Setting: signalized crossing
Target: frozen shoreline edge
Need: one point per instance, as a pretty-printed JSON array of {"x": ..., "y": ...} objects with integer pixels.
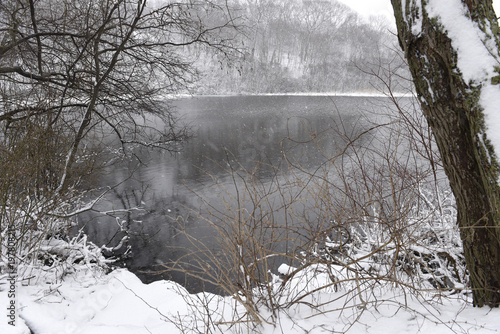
[{"x": 305, "y": 94}]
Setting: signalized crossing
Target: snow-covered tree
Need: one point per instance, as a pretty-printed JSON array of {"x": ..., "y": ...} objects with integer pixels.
[
  {"x": 73, "y": 72},
  {"x": 452, "y": 47},
  {"x": 86, "y": 64}
]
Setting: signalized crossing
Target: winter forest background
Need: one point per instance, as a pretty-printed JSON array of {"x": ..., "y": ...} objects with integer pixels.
[{"x": 301, "y": 46}]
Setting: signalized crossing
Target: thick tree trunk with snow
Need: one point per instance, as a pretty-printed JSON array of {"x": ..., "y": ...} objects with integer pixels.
[{"x": 452, "y": 107}]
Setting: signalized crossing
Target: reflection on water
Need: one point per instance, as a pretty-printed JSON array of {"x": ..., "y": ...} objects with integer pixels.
[{"x": 231, "y": 134}]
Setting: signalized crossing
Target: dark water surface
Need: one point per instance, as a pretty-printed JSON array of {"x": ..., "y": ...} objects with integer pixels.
[{"x": 237, "y": 135}]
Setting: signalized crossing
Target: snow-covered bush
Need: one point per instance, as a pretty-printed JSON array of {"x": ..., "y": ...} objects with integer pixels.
[
  {"x": 424, "y": 254},
  {"x": 35, "y": 213},
  {"x": 38, "y": 248}
]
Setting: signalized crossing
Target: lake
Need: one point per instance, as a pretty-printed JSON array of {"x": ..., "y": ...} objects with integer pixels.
[{"x": 235, "y": 139}]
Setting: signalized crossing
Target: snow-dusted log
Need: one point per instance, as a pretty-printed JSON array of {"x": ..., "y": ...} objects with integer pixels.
[{"x": 452, "y": 50}]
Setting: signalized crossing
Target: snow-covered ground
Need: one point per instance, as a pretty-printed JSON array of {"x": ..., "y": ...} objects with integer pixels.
[{"x": 119, "y": 303}]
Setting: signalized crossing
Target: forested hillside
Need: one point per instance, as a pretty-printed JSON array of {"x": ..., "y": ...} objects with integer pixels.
[{"x": 302, "y": 46}]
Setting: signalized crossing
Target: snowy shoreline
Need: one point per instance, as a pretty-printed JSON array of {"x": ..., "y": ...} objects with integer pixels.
[
  {"x": 86, "y": 303},
  {"x": 304, "y": 94}
]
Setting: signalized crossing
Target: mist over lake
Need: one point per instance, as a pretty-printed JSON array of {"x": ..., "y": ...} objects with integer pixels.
[{"x": 231, "y": 134}]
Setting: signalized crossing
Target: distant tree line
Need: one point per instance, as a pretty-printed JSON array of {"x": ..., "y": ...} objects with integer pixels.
[{"x": 303, "y": 46}]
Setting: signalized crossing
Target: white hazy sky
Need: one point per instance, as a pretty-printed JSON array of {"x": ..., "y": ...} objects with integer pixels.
[{"x": 384, "y": 7}]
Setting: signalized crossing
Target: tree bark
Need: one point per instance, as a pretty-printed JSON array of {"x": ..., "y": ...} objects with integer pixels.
[{"x": 455, "y": 116}]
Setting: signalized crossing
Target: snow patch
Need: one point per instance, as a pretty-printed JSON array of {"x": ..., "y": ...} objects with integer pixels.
[
  {"x": 416, "y": 27},
  {"x": 490, "y": 101},
  {"x": 476, "y": 58},
  {"x": 285, "y": 269},
  {"x": 416, "y": 24}
]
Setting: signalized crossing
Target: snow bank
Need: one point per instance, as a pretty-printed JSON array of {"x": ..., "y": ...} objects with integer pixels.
[
  {"x": 116, "y": 303},
  {"x": 119, "y": 303}
]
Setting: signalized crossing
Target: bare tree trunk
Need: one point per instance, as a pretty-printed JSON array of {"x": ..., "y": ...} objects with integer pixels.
[{"x": 452, "y": 109}]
